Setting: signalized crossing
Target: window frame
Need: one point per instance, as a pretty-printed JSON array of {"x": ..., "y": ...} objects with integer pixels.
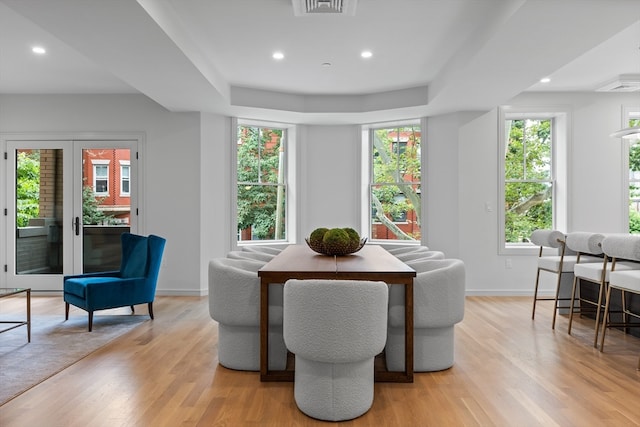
[
  {"x": 125, "y": 164},
  {"x": 95, "y": 164},
  {"x": 289, "y": 182},
  {"x": 367, "y": 168},
  {"x": 628, "y": 113},
  {"x": 560, "y": 148}
]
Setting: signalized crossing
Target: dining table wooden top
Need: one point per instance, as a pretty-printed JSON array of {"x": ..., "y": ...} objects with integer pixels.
[{"x": 371, "y": 260}]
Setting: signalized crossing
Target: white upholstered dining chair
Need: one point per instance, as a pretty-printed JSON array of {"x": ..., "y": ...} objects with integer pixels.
[
  {"x": 438, "y": 305},
  {"x": 558, "y": 264},
  {"x": 335, "y": 328},
  {"x": 234, "y": 302}
]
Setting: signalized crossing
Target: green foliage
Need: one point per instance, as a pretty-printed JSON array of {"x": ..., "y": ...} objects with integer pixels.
[
  {"x": 528, "y": 191},
  {"x": 261, "y": 200},
  {"x": 91, "y": 215},
  {"x": 27, "y": 187},
  {"x": 634, "y": 187},
  {"x": 634, "y": 221},
  {"x": 396, "y": 175}
]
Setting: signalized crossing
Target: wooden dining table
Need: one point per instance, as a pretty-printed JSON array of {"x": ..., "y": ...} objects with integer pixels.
[{"x": 372, "y": 262}]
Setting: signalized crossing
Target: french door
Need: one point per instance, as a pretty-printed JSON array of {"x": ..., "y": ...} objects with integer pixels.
[{"x": 67, "y": 202}]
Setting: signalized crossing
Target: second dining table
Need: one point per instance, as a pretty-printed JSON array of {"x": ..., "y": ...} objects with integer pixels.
[{"x": 372, "y": 262}]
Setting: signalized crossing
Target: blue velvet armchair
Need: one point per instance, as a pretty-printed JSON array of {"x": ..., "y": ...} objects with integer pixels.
[{"x": 134, "y": 283}]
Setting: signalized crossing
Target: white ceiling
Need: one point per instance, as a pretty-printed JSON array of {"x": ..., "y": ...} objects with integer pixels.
[{"x": 429, "y": 56}]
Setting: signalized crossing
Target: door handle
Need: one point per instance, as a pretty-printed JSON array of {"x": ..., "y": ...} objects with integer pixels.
[{"x": 77, "y": 226}]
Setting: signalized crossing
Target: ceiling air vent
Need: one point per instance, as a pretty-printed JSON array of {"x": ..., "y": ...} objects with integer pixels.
[
  {"x": 624, "y": 83},
  {"x": 324, "y": 7}
]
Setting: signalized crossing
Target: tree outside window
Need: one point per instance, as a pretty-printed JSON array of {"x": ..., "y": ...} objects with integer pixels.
[
  {"x": 634, "y": 181},
  {"x": 261, "y": 185},
  {"x": 528, "y": 180},
  {"x": 395, "y": 186}
]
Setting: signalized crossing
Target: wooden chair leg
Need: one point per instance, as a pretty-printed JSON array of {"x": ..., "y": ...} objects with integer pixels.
[
  {"x": 132, "y": 310},
  {"x": 151, "y": 310},
  {"x": 90, "y": 320},
  {"x": 66, "y": 311}
]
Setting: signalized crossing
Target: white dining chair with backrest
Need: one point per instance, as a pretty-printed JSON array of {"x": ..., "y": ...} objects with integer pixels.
[
  {"x": 559, "y": 263},
  {"x": 438, "y": 305},
  {"x": 621, "y": 247},
  {"x": 335, "y": 328},
  {"x": 234, "y": 303}
]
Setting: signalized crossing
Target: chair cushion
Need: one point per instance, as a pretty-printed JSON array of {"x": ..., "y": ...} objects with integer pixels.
[
  {"x": 627, "y": 280},
  {"x": 78, "y": 286},
  {"x": 135, "y": 257},
  {"x": 593, "y": 271},
  {"x": 552, "y": 262}
]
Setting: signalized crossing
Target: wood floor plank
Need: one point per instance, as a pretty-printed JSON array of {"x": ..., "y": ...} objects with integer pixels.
[{"x": 509, "y": 370}]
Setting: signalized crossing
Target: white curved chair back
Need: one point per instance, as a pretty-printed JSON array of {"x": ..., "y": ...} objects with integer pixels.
[
  {"x": 403, "y": 249},
  {"x": 438, "y": 301},
  {"x": 416, "y": 253},
  {"x": 262, "y": 249},
  {"x": 335, "y": 328},
  {"x": 423, "y": 256},
  {"x": 234, "y": 302},
  {"x": 257, "y": 256}
]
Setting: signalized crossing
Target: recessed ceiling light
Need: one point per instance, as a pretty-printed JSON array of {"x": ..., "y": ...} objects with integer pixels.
[
  {"x": 326, "y": 64},
  {"x": 366, "y": 54},
  {"x": 278, "y": 55},
  {"x": 545, "y": 80},
  {"x": 39, "y": 50}
]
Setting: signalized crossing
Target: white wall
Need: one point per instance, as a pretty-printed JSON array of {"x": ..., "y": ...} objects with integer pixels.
[
  {"x": 215, "y": 192},
  {"x": 187, "y": 169},
  {"x": 330, "y": 176}
]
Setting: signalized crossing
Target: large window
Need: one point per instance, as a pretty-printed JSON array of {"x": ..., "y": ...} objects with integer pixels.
[
  {"x": 528, "y": 177},
  {"x": 394, "y": 183},
  {"x": 261, "y": 183},
  {"x": 633, "y": 119},
  {"x": 534, "y": 144}
]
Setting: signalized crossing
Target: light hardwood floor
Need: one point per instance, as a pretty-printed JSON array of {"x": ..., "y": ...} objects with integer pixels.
[{"x": 509, "y": 371}]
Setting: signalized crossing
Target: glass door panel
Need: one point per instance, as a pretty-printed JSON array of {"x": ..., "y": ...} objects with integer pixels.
[
  {"x": 106, "y": 206},
  {"x": 39, "y": 192},
  {"x": 38, "y": 199}
]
